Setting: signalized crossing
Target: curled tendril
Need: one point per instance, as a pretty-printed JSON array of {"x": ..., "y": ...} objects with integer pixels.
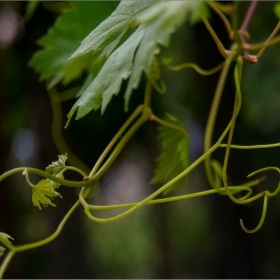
[
  {"x": 266, "y": 194},
  {"x": 166, "y": 62},
  {"x": 161, "y": 87},
  {"x": 261, "y": 220}
]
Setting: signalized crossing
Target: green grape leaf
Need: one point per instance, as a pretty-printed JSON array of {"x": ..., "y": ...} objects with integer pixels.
[
  {"x": 57, "y": 166},
  {"x": 65, "y": 37},
  {"x": 108, "y": 81},
  {"x": 155, "y": 23},
  {"x": 160, "y": 22},
  {"x": 43, "y": 192},
  {"x": 277, "y": 9},
  {"x": 113, "y": 26},
  {"x": 175, "y": 154}
]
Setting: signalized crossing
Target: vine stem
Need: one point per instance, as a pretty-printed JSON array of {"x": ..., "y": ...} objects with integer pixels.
[
  {"x": 262, "y": 50},
  {"x": 27, "y": 170},
  {"x": 212, "y": 117},
  {"x": 5, "y": 263},
  {"x": 243, "y": 147}
]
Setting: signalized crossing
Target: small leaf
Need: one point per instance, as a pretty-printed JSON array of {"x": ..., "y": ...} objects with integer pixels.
[
  {"x": 57, "y": 166},
  {"x": 5, "y": 237},
  {"x": 42, "y": 192},
  {"x": 175, "y": 154}
]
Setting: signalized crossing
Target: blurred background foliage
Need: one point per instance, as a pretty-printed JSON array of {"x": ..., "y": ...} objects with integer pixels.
[{"x": 199, "y": 238}]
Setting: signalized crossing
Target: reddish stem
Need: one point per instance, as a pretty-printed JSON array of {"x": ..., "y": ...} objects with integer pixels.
[{"x": 248, "y": 16}]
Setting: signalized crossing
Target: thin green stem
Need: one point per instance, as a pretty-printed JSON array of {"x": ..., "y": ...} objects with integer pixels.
[
  {"x": 12, "y": 172},
  {"x": 237, "y": 105},
  {"x": 75, "y": 184},
  {"x": 169, "y": 199},
  {"x": 262, "y": 50},
  {"x": 5, "y": 263},
  {"x": 223, "y": 18},
  {"x": 137, "y": 111},
  {"x": 212, "y": 118},
  {"x": 215, "y": 37},
  {"x": 258, "y": 46},
  {"x": 248, "y": 147}
]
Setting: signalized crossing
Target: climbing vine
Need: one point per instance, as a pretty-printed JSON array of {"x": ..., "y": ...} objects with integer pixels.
[{"x": 124, "y": 43}]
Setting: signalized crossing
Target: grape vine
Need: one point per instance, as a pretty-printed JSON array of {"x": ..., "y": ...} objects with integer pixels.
[{"x": 124, "y": 44}]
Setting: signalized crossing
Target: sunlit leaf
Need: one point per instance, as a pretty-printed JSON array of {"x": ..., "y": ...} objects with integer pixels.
[
  {"x": 43, "y": 192},
  {"x": 174, "y": 157}
]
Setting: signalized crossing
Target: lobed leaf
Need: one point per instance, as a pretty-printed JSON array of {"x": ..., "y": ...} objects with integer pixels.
[
  {"x": 156, "y": 23},
  {"x": 108, "y": 81},
  {"x": 113, "y": 26},
  {"x": 174, "y": 158},
  {"x": 43, "y": 192},
  {"x": 64, "y": 38},
  {"x": 160, "y": 22}
]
